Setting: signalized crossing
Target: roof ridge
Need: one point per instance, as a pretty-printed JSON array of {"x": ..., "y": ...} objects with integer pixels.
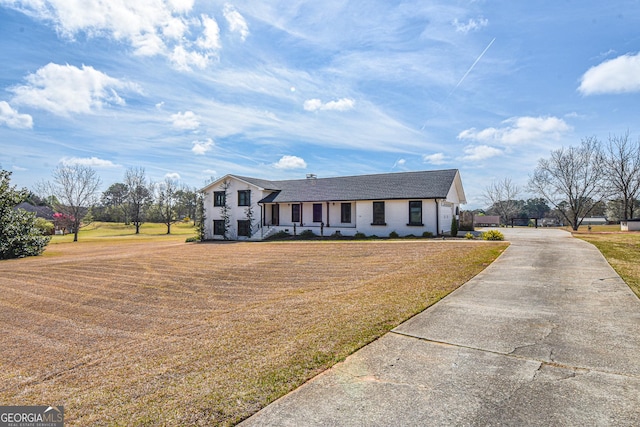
[{"x": 345, "y": 176}]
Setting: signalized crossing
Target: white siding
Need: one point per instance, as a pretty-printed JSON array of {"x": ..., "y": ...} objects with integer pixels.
[
  {"x": 236, "y": 212},
  {"x": 630, "y": 225},
  {"x": 326, "y": 226},
  {"x": 396, "y": 218},
  {"x": 436, "y": 215}
]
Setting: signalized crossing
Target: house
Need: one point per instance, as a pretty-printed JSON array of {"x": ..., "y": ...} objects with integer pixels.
[
  {"x": 243, "y": 208},
  {"x": 551, "y": 222},
  {"x": 486, "y": 221},
  {"x": 594, "y": 220},
  {"x": 40, "y": 211},
  {"x": 630, "y": 225}
]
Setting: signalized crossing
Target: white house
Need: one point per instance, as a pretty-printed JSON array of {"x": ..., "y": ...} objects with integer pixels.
[
  {"x": 630, "y": 225},
  {"x": 243, "y": 208}
]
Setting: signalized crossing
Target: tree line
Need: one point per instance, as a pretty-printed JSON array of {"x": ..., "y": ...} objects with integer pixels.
[
  {"x": 594, "y": 178},
  {"x": 74, "y": 195},
  {"x": 136, "y": 200}
]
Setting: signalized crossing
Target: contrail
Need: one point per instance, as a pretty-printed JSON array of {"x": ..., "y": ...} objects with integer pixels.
[
  {"x": 473, "y": 65},
  {"x": 465, "y": 75}
]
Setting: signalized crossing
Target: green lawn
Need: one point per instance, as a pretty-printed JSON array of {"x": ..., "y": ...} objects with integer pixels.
[{"x": 98, "y": 231}]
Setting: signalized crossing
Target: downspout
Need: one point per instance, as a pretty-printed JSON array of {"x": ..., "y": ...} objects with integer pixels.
[
  {"x": 328, "y": 215},
  {"x": 437, "y": 218},
  {"x": 261, "y": 220}
]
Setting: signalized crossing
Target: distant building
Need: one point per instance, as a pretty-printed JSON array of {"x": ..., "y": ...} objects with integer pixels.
[
  {"x": 630, "y": 225},
  {"x": 41, "y": 211},
  {"x": 486, "y": 221},
  {"x": 595, "y": 220},
  {"x": 551, "y": 222}
]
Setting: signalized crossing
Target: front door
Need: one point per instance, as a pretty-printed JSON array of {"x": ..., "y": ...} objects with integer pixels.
[{"x": 275, "y": 214}]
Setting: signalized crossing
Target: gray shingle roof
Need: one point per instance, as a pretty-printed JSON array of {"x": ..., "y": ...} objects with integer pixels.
[{"x": 401, "y": 185}]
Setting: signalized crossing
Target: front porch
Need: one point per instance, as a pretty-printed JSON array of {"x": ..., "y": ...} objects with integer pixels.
[
  {"x": 315, "y": 216},
  {"x": 295, "y": 229}
]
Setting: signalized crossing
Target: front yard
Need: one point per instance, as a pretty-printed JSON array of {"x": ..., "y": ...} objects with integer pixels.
[{"x": 159, "y": 332}]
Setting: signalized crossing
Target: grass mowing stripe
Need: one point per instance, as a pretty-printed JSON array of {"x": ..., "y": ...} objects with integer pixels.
[{"x": 206, "y": 334}]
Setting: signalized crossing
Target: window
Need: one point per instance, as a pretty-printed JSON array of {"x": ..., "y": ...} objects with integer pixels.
[
  {"x": 219, "y": 198},
  {"x": 295, "y": 212},
  {"x": 415, "y": 212},
  {"x": 218, "y": 227},
  {"x": 317, "y": 212},
  {"x": 244, "y": 228},
  {"x": 345, "y": 213},
  {"x": 244, "y": 197},
  {"x": 378, "y": 213}
]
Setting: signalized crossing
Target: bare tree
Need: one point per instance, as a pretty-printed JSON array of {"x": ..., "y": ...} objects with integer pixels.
[
  {"x": 572, "y": 180},
  {"x": 166, "y": 201},
  {"x": 501, "y": 196},
  {"x": 139, "y": 196},
  {"x": 622, "y": 169},
  {"x": 75, "y": 191}
]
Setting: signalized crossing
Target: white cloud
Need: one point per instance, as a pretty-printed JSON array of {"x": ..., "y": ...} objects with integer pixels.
[
  {"x": 150, "y": 27},
  {"x": 342, "y": 104},
  {"x": 172, "y": 175},
  {"x": 210, "y": 39},
  {"x": 93, "y": 162},
  {"x": 519, "y": 130},
  {"x": 175, "y": 28},
  {"x": 201, "y": 147},
  {"x": 618, "y": 75},
  {"x": 13, "y": 119},
  {"x": 181, "y": 6},
  {"x": 290, "y": 162},
  {"x": 183, "y": 59},
  {"x": 147, "y": 44},
  {"x": 66, "y": 89},
  {"x": 480, "y": 152},
  {"x": 236, "y": 21},
  {"x": 434, "y": 159},
  {"x": 312, "y": 104},
  {"x": 471, "y": 25},
  {"x": 187, "y": 120}
]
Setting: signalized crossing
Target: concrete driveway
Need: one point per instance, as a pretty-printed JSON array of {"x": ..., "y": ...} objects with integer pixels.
[{"x": 548, "y": 335}]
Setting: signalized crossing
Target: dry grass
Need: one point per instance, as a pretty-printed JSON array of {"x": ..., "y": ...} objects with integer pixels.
[
  {"x": 621, "y": 249},
  {"x": 167, "y": 333}
]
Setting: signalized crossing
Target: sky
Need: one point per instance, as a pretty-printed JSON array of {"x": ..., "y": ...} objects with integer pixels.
[{"x": 193, "y": 90}]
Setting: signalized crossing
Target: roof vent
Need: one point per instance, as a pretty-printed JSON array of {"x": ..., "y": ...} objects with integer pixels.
[{"x": 312, "y": 176}]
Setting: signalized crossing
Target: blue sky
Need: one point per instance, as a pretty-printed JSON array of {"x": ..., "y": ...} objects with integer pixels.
[{"x": 277, "y": 89}]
